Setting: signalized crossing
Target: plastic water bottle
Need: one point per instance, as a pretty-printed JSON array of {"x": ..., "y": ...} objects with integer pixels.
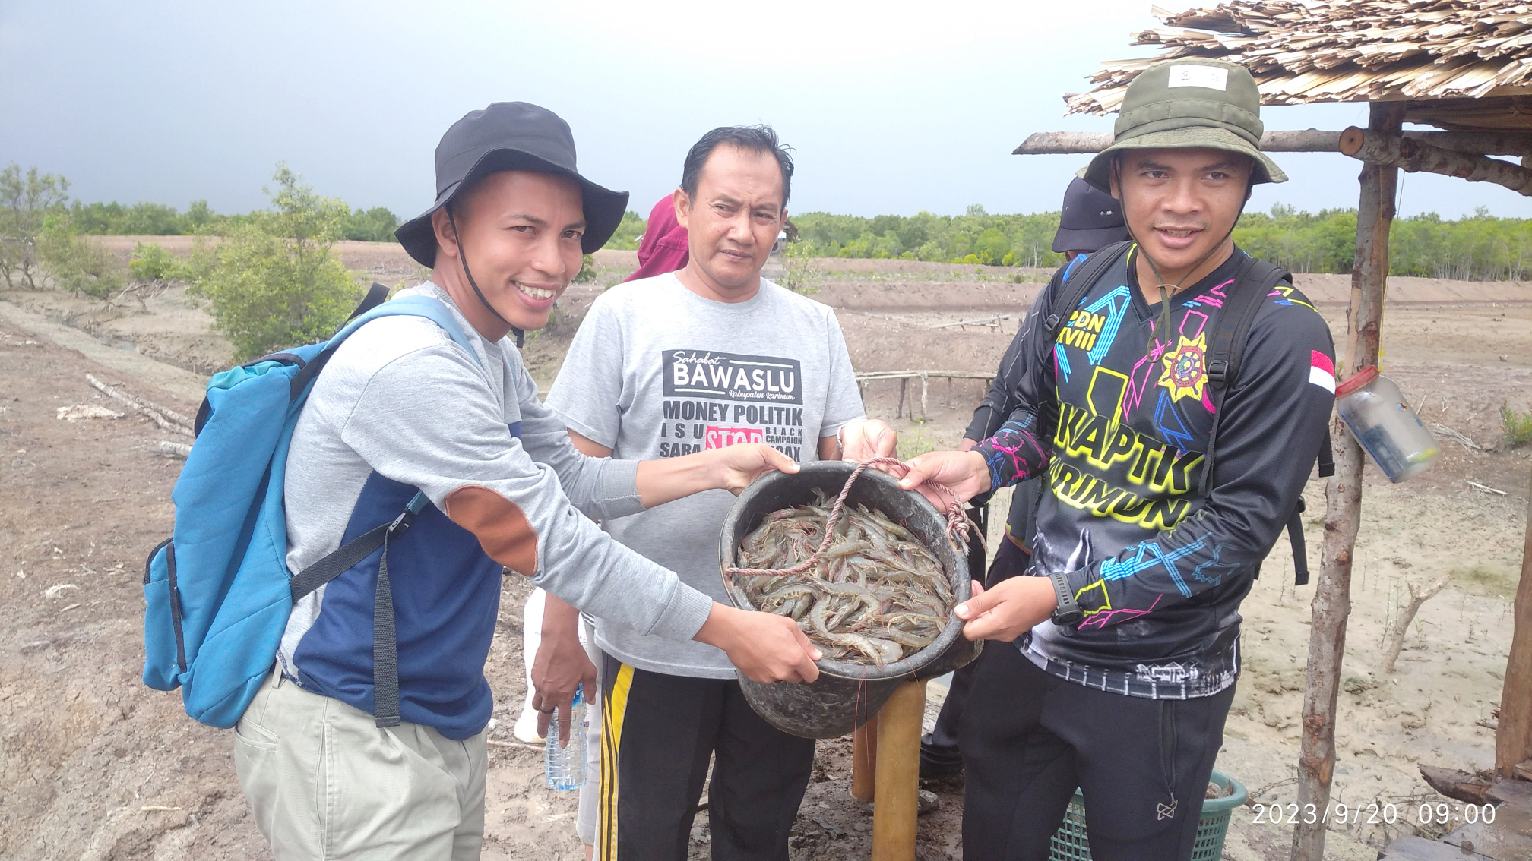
[
  {"x": 565, "y": 765},
  {"x": 1390, "y": 432}
]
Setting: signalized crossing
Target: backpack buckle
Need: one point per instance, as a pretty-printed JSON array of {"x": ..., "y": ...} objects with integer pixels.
[
  {"x": 402, "y": 522},
  {"x": 1218, "y": 370},
  {"x": 416, "y": 505}
]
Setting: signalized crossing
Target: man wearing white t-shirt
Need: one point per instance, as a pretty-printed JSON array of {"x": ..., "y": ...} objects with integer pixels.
[{"x": 684, "y": 362}]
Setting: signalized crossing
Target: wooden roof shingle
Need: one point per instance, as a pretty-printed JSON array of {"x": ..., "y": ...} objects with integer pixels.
[{"x": 1305, "y": 51}]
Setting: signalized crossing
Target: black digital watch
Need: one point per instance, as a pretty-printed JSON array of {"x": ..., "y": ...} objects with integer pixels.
[{"x": 1068, "y": 612}]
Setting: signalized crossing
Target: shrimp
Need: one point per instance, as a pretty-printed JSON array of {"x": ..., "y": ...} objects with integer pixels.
[{"x": 875, "y": 591}]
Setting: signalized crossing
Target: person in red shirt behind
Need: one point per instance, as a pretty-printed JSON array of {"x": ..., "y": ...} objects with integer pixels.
[{"x": 663, "y": 248}]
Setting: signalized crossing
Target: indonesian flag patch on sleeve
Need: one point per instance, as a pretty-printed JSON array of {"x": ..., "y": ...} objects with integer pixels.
[{"x": 1322, "y": 371}]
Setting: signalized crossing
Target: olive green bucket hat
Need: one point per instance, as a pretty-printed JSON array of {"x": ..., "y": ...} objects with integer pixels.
[{"x": 1189, "y": 104}]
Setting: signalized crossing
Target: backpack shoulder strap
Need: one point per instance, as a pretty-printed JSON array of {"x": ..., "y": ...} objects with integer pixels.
[
  {"x": 1070, "y": 290},
  {"x": 376, "y": 295},
  {"x": 1231, "y": 329},
  {"x": 1252, "y": 283},
  {"x": 1326, "y": 459},
  {"x": 338, "y": 561},
  {"x": 414, "y": 306},
  {"x": 369, "y": 310}
]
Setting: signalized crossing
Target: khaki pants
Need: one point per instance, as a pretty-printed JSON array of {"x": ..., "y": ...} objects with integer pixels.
[{"x": 325, "y": 782}]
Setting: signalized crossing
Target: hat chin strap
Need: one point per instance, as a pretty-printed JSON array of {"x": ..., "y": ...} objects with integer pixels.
[{"x": 462, "y": 256}]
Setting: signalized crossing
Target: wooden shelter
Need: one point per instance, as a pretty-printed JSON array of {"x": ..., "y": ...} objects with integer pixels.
[
  {"x": 1456, "y": 64},
  {"x": 1463, "y": 67}
]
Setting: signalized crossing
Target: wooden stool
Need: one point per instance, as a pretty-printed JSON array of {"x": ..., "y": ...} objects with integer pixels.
[{"x": 885, "y": 770}]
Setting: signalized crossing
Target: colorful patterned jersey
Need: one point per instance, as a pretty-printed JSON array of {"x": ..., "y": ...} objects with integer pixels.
[{"x": 1115, "y": 415}]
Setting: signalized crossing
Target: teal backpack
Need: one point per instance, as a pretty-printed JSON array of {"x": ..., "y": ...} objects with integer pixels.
[{"x": 218, "y": 592}]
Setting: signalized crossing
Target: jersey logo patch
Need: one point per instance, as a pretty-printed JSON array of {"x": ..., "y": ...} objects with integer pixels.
[{"x": 1186, "y": 368}]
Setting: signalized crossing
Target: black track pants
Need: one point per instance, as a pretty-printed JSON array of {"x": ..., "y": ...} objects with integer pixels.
[
  {"x": 1010, "y": 561},
  {"x": 1030, "y": 738},
  {"x": 658, "y": 734}
]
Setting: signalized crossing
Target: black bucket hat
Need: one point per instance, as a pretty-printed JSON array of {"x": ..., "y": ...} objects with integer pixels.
[
  {"x": 1091, "y": 219},
  {"x": 510, "y": 136}
]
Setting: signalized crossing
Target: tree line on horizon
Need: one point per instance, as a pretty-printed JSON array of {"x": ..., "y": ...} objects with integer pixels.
[
  {"x": 273, "y": 279},
  {"x": 1480, "y": 247},
  {"x": 157, "y": 219},
  {"x": 1477, "y": 247}
]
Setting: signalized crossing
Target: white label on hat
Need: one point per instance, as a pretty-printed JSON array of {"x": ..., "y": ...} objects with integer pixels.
[{"x": 1210, "y": 77}]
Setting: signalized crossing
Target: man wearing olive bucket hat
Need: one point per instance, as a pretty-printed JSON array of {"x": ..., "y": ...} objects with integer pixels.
[
  {"x": 1125, "y": 637},
  {"x": 336, "y": 765}
]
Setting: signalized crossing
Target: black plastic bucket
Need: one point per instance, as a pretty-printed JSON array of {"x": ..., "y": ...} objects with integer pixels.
[{"x": 846, "y": 693}]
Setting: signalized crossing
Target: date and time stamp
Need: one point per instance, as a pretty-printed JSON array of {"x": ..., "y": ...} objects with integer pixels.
[{"x": 1432, "y": 814}]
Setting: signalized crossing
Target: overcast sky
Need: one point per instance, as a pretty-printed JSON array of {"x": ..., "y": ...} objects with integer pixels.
[{"x": 890, "y": 107}]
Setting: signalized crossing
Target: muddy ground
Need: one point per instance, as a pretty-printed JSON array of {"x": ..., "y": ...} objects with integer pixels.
[{"x": 97, "y": 766}]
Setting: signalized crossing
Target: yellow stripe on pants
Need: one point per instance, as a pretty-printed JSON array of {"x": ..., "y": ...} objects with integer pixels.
[{"x": 612, "y": 712}]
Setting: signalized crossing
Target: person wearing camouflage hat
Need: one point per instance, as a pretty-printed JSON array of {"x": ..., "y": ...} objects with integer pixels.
[
  {"x": 1089, "y": 220},
  {"x": 1205, "y": 117},
  {"x": 1123, "y": 639},
  {"x": 1186, "y": 105}
]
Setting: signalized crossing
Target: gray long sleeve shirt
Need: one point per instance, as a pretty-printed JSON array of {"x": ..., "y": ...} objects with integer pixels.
[{"x": 399, "y": 407}]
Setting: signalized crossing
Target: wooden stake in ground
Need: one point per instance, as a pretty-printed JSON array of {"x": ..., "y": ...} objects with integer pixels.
[
  {"x": 1513, "y": 737},
  {"x": 897, "y": 779},
  {"x": 1393, "y": 640},
  {"x": 1343, "y": 498}
]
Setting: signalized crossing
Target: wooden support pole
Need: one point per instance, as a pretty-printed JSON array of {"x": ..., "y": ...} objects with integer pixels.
[
  {"x": 1482, "y": 143},
  {"x": 1417, "y": 156},
  {"x": 1308, "y": 140},
  {"x": 1053, "y": 143},
  {"x": 1343, "y": 498},
  {"x": 1513, "y": 736},
  {"x": 898, "y": 775}
]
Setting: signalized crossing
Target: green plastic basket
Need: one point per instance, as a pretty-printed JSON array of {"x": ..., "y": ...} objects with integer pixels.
[{"x": 1069, "y": 842}]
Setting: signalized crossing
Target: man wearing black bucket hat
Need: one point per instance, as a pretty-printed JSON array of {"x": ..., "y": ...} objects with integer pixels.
[
  {"x": 1126, "y": 638},
  {"x": 335, "y": 765},
  {"x": 1089, "y": 220}
]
